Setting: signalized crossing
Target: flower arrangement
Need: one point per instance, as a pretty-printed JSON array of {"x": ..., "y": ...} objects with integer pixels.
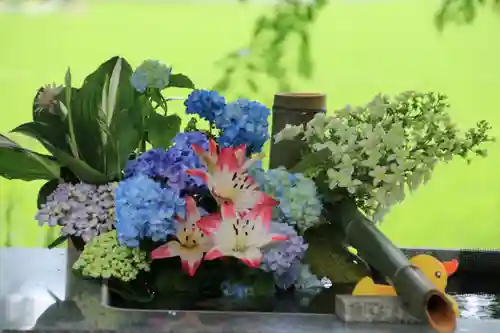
[{"x": 159, "y": 210}]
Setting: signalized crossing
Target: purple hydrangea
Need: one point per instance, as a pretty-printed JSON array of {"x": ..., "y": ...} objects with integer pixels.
[
  {"x": 206, "y": 103},
  {"x": 82, "y": 210},
  {"x": 284, "y": 258},
  {"x": 171, "y": 165}
]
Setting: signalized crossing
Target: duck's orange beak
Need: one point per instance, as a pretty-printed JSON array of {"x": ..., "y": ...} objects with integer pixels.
[{"x": 451, "y": 266}]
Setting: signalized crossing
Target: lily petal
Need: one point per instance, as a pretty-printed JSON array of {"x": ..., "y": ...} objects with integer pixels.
[
  {"x": 192, "y": 211},
  {"x": 240, "y": 153},
  {"x": 171, "y": 249},
  {"x": 209, "y": 223},
  {"x": 227, "y": 161},
  {"x": 228, "y": 211},
  {"x": 214, "y": 253},
  {"x": 191, "y": 261},
  {"x": 198, "y": 173},
  {"x": 252, "y": 257},
  {"x": 251, "y": 161},
  {"x": 261, "y": 213},
  {"x": 208, "y": 158}
]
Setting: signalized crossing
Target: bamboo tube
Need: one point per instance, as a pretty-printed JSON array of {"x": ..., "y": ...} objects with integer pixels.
[
  {"x": 293, "y": 109},
  {"x": 418, "y": 294}
]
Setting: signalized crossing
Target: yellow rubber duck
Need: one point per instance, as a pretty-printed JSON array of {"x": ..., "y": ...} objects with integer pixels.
[{"x": 436, "y": 271}]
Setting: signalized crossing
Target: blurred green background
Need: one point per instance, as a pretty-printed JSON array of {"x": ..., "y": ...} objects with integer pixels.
[{"x": 358, "y": 48}]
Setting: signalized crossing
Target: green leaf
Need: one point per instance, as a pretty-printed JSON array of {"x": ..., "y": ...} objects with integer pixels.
[
  {"x": 45, "y": 191},
  {"x": 125, "y": 133},
  {"x": 60, "y": 240},
  {"x": 305, "y": 64},
  {"x": 45, "y": 133},
  {"x": 23, "y": 164},
  {"x": 222, "y": 84},
  {"x": 180, "y": 81},
  {"x": 312, "y": 160},
  {"x": 5, "y": 142},
  {"x": 157, "y": 97},
  {"x": 254, "y": 87},
  {"x": 162, "y": 129},
  {"x": 106, "y": 90},
  {"x": 327, "y": 256},
  {"x": 80, "y": 168}
]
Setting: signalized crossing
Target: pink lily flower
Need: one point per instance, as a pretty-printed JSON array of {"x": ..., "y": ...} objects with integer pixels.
[
  {"x": 209, "y": 158},
  {"x": 241, "y": 237},
  {"x": 192, "y": 242},
  {"x": 228, "y": 179}
]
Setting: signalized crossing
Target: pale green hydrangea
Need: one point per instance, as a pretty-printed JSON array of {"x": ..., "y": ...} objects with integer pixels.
[
  {"x": 378, "y": 150},
  {"x": 104, "y": 257}
]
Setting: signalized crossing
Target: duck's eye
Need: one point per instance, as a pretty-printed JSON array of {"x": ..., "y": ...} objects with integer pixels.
[{"x": 438, "y": 274}]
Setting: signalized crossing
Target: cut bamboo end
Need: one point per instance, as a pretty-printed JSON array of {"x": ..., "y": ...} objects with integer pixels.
[
  {"x": 295, "y": 101},
  {"x": 440, "y": 313}
]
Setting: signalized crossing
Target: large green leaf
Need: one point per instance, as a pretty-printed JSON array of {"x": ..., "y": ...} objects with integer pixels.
[
  {"x": 327, "y": 256},
  {"x": 125, "y": 132},
  {"x": 45, "y": 133},
  {"x": 162, "y": 129},
  {"x": 23, "y": 164},
  {"x": 181, "y": 81},
  {"x": 104, "y": 92},
  {"x": 80, "y": 168}
]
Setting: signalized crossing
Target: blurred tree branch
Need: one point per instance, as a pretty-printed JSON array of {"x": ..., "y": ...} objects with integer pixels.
[
  {"x": 264, "y": 54},
  {"x": 461, "y": 11}
]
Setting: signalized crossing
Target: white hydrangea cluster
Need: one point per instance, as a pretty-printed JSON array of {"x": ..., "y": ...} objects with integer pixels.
[{"x": 372, "y": 153}]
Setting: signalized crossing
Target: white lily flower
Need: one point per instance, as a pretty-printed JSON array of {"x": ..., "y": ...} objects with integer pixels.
[{"x": 243, "y": 237}]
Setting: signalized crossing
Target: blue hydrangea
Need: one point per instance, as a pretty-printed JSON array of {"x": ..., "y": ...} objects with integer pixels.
[
  {"x": 151, "y": 74},
  {"x": 284, "y": 258},
  {"x": 297, "y": 194},
  {"x": 171, "y": 165},
  {"x": 144, "y": 209},
  {"x": 244, "y": 122},
  {"x": 206, "y": 103}
]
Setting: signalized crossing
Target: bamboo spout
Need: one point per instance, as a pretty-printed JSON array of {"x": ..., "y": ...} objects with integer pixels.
[{"x": 421, "y": 298}]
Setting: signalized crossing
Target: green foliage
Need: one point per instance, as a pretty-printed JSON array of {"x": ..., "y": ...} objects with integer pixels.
[
  {"x": 162, "y": 129},
  {"x": 290, "y": 21},
  {"x": 104, "y": 257},
  {"x": 180, "y": 81},
  {"x": 91, "y": 130},
  {"x": 327, "y": 256},
  {"x": 19, "y": 163},
  {"x": 461, "y": 11},
  {"x": 107, "y": 111}
]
